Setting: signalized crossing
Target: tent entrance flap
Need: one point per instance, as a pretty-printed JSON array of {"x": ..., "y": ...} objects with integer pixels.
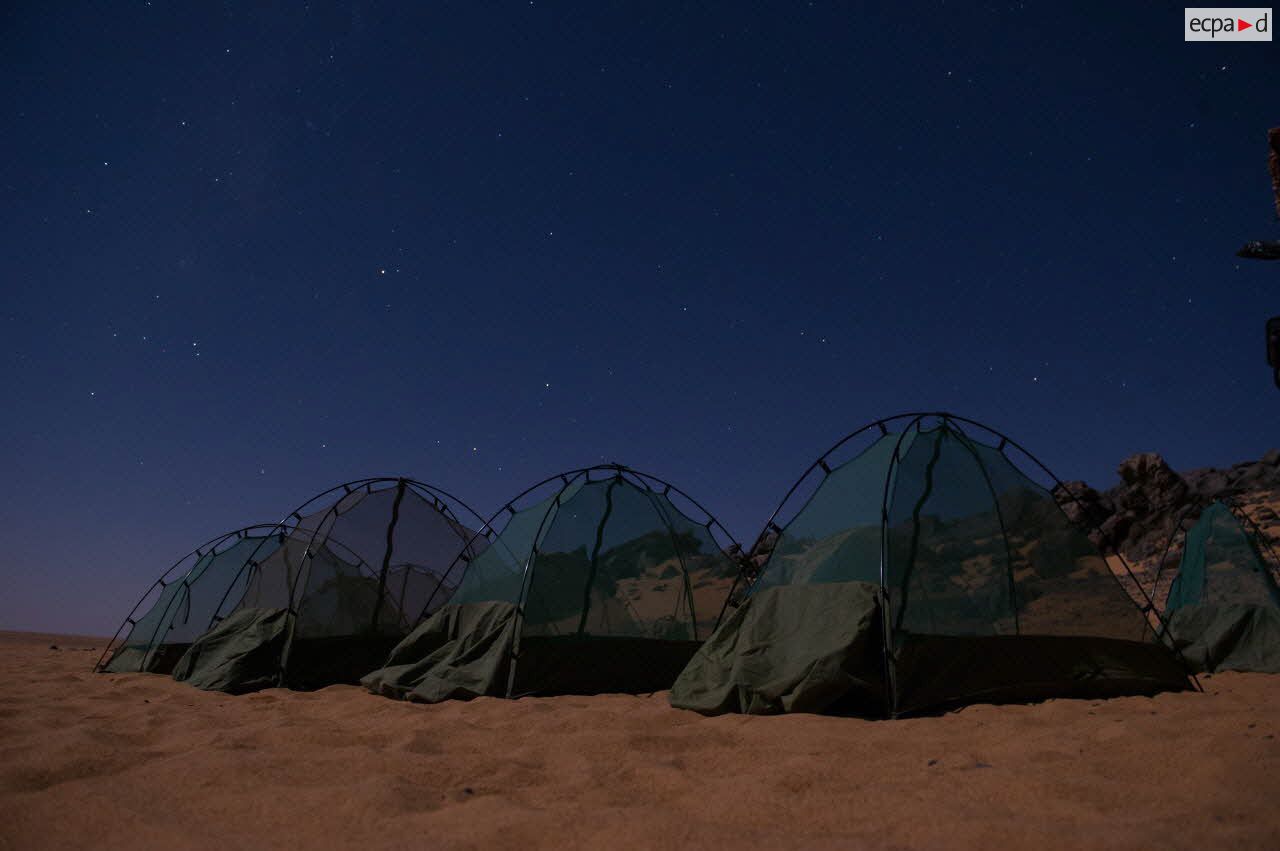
[
  {"x": 239, "y": 655},
  {"x": 792, "y": 648},
  {"x": 1229, "y": 637},
  {"x": 460, "y": 652}
]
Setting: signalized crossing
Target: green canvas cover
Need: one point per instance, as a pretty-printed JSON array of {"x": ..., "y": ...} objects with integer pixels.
[
  {"x": 239, "y": 655},
  {"x": 820, "y": 648},
  {"x": 791, "y": 648},
  {"x": 460, "y": 652},
  {"x": 1229, "y": 637}
]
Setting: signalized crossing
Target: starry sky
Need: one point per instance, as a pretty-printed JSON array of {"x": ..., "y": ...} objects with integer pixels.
[{"x": 252, "y": 252}]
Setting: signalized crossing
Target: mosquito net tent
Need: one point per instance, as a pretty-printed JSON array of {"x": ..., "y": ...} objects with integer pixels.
[
  {"x": 1222, "y": 604},
  {"x": 598, "y": 580},
  {"x": 178, "y": 606},
  {"x": 314, "y": 600},
  {"x": 915, "y": 566}
]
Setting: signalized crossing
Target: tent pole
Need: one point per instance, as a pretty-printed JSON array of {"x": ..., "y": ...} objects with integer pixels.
[
  {"x": 595, "y": 557},
  {"x": 1004, "y": 532},
  {"x": 886, "y": 603},
  {"x": 386, "y": 556}
]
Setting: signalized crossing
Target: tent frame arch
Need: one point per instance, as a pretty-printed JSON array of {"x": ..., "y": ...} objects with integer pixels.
[
  {"x": 647, "y": 483},
  {"x": 909, "y": 422},
  {"x": 212, "y": 546},
  {"x": 439, "y": 499},
  {"x": 1257, "y": 538}
]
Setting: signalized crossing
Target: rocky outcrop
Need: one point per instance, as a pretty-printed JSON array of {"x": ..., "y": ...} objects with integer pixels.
[{"x": 1137, "y": 516}]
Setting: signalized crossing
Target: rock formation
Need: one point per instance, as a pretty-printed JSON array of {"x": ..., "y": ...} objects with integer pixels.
[{"x": 1137, "y": 516}]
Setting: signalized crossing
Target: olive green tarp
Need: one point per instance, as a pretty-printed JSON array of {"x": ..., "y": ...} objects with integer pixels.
[
  {"x": 460, "y": 652},
  {"x": 1235, "y": 637},
  {"x": 239, "y": 655},
  {"x": 820, "y": 648},
  {"x": 798, "y": 648},
  {"x": 1223, "y": 606},
  {"x": 603, "y": 585},
  {"x": 250, "y": 650},
  {"x": 986, "y": 591}
]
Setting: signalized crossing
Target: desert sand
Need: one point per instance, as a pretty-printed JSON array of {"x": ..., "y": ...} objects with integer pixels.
[{"x": 139, "y": 761}]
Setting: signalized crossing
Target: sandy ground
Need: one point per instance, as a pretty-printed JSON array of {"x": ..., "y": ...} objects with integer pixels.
[{"x": 139, "y": 761}]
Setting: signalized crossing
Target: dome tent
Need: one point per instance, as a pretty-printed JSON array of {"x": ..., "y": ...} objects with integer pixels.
[
  {"x": 1222, "y": 603},
  {"x": 330, "y": 589},
  {"x": 921, "y": 567},
  {"x": 599, "y": 580},
  {"x": 177, "y": 607}
]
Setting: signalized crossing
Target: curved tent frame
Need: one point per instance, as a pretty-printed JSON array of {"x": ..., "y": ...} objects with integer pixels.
[
  {"x": 1180, "y": 527},
  {"x": 843, "y": 450},
  {"x": 1183, "y": 524},
  {"x": 564, "y": 483},
  {"x": 645, "y": 481},
  {"x": 438, "y": 498},
  {"x": 212, "y": 546}
]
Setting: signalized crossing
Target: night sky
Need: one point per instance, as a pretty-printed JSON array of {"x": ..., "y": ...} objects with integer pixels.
[{"x": 249, "y": 254}]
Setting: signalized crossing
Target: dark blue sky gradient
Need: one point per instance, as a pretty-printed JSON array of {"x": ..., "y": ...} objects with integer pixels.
[{"x": 251, "y": 253}]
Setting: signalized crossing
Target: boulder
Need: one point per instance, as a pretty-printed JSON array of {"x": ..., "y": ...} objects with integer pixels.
[{"x": 1137, "y": 516}]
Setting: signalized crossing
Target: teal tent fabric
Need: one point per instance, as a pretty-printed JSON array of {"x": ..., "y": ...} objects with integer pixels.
[
  {"x": 1221, "y": 564},
  {"x": 603, "y": 585},
  {"x": 460, "y": 652},
  {"x": 181, "y": 610},
  {"x": 239, "y": 655},
  {"x": 1223, "y": 608}
]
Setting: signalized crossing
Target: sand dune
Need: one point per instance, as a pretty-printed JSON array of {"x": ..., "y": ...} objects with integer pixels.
[{"x": 139, "y": 761}]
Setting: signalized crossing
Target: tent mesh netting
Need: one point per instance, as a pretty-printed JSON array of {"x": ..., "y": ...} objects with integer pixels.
[
  {"x": 1222, "y": 603},
  {"x": 978, "y": 584},
  {"x": 319, "y": 598},
  {"x": 178, "y": 607},
  {"x": 1225, "y": 560},
  {"x": 598, "y": 580}
]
